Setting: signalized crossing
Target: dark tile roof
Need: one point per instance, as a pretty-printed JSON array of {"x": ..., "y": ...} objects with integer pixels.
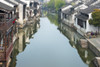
[
  {"x": 36, "y": 2},
  {"x": 65, "y": 6},
  {"x": 77, "y": 5},
  {"x": 90, "y": 2},
  {"x": 82, "y": 17},
  {"x": 73, "y": 1},
  {"x": 5, "y": 7},
  {"x": 89, "y": 9},
  {"x": 20, "y": 2},
  {"x": 11, "y": 2},
  {"x": 68, "y": 11},
  {"x": 97, "y": 5}
]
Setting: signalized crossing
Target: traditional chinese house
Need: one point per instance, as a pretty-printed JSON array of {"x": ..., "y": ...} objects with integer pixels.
[{"x": 7, "y": 30}]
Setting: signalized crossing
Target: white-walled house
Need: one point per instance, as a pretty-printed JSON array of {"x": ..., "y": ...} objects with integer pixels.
[
  {"x": 21, "y": 9},
  {"x": 29, "y": 9},
  {"x": 82, "y": 21},
  {"x": 68, "y": 13},
  {"x": 77, "y": 9},
  {"x": 63, "y": 10},
  {"x": 68, "y": 16},
  {"x": 27, "y": 2}
]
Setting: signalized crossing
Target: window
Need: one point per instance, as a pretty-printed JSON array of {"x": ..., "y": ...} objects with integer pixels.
[{"x": 80, "y": 23}]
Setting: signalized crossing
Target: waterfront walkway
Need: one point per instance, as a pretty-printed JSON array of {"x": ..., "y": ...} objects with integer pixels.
[{"x": 94, "y": 42}]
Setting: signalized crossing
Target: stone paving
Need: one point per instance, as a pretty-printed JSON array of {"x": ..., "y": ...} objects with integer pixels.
[{"x": 95, "y": 42}]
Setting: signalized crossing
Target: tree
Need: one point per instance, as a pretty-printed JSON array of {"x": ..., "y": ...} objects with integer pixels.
[
  {"x": 59, "y": 4},
  {"x": 95, "y": 18},
  {"x": 56, "y": 4},
  {"x": 51, "y": 4}
]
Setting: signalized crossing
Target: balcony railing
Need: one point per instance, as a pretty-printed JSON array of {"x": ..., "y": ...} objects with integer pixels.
[
  {"x": 1, "y": 49},
  {"x": 2, "y": 54},
  {"x": 5, "y": 54}
]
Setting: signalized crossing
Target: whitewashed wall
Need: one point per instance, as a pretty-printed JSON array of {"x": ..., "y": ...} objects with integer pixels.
[
  {"x": 20, "y": 10},
  {"x": 21, "y": 14},
  {"x": 27, "y": 2},
  {"x": 91, "y": 28}
]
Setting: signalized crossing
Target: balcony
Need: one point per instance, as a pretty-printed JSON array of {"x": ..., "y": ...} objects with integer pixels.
[{"x": 5, "y": 24}]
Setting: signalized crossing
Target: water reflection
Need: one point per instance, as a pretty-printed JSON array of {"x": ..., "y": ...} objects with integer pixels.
[
  {"x": 85, "y": 54},
  {"x": 53, "y": 18},
  {"x": 50, "y": 48},
  {"x": 24, "y": 39}
]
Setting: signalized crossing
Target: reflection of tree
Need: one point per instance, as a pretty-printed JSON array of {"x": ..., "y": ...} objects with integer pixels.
[
  {"x": 85, "y": 54},
  {"x": 53, "y": 18}
]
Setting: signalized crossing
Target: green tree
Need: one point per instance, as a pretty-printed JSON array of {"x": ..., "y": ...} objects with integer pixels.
[
  {"x": 51, "y": 4},
  {"x": 59, "y": 4},
  {"x": 95, "y": 18},
  {"x": 56, "y": 4}
]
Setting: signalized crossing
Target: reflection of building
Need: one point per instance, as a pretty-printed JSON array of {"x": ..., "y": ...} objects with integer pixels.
[
  {"x": 20, "y": 44},
  {"x": 85, "y": 54},
  {"x": 24, "y": 38},
  {"x": 27, "y": 35},
  {"x": 69, "y": 33},
  {"x": 21, "y": 40}
]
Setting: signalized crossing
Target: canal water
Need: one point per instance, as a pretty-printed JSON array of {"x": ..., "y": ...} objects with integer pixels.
[{"x": 50, "y": 43}]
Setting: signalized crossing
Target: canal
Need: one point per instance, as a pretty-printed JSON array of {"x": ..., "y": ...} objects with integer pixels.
[{"x": 49, "y": 44}]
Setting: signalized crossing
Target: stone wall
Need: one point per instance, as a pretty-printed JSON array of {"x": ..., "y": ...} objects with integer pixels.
[{"x": 94, "y": 49}]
